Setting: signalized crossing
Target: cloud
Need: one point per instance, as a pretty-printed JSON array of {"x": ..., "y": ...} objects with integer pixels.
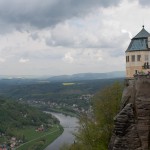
[
  {"x": 129, "y": 33},
  {"x": 2, "y": 60},
  {"x": 68, "y": 58},
  {"x": 23, "y": 14},
  {"x": 24, "y": 60},
  {"x": 144, "y": 2},
  {"x": 83, "y": 57},
  {"x": 34, "y": 36},
  {"x": 104, "y": 34}
]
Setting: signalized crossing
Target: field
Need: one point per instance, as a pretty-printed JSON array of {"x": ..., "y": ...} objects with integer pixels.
[
  {"x": 67, "y": 83},
  {"x": 38, "y": 140}
]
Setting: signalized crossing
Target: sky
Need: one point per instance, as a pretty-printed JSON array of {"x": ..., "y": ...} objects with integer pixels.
[{"x": 56, "y": 37}]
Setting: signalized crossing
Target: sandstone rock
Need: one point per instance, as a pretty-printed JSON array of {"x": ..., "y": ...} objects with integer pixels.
[{"x": 132, "y": 123}]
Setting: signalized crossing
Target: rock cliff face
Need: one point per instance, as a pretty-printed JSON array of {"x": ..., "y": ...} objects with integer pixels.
[{"x": 132, "y": 123}]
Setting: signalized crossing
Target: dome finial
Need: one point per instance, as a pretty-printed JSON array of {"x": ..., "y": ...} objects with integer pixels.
[{"x": 143, "y": 26}]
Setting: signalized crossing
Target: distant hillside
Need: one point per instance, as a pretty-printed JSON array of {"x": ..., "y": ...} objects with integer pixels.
[
  {"x": 58, "y": 92},
  {"x": 11, "y": 80},
  {"x": 88, "y": 76},
  {"x": 15, "y": 115}
]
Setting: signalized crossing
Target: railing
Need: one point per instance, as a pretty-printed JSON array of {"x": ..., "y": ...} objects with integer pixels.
[
  {"x": 146, "y": 67},
  {"x": 142, "y": 75}
]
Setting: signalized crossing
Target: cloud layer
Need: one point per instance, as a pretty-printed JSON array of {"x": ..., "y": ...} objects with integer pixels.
[
  {"x": 144, "y": 2},
  {"x": 64, "y": 37},
  {"x": 46, "y": 14}
]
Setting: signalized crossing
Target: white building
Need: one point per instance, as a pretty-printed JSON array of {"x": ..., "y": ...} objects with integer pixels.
[{"x": 138, "y": 54}]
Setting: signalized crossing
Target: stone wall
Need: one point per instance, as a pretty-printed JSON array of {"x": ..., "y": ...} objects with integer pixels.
[
  {"x": 136, "y": 65},
  {"x": 132, "y": 123}
]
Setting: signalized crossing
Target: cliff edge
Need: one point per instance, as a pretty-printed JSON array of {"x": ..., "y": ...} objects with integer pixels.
[{"x": 132, "y": 123}]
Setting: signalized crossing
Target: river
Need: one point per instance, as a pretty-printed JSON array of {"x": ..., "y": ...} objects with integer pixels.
[{"x": 70, "y": 125}]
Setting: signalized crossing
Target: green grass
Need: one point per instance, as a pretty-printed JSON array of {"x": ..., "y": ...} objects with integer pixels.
[
  {"x": 39, "y": 140},
  {"x": 30, "y": 132},
  {"x": 3, "y": 139},
  {"x": 67, "y": 84}
]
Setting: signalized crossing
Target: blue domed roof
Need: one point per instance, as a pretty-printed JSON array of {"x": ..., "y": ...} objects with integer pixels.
[{"x": 140, "y": 41}]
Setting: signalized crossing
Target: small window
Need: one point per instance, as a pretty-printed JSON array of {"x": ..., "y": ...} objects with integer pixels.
[
  {"x": 138, "y": 57},
  {"x": 127, "y": 58},
  {"x": 146, "y": 58},
  {"x": 133, "y": 58}
]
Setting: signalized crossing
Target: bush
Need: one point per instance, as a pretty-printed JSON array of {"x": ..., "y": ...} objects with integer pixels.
[{"x": 95, "y": 131}]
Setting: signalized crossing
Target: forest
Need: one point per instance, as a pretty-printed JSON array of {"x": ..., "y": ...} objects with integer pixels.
[{"x": 58, "y": 92}]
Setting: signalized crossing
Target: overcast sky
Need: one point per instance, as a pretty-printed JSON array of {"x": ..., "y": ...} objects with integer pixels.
[{"x": 55, "y": 37}]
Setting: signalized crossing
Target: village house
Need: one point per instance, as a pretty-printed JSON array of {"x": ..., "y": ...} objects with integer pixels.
[
  {"x": 41, "y": 128},
  {"x": 13, "y": 142},
  {"x": 3, "y": 147}
]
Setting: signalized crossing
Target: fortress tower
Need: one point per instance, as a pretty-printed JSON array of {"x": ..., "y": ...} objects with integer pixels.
[{"x": 138, "y": 54}]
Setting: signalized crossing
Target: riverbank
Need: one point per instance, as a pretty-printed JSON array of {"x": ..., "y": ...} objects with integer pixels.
[
  {"x": 68, "y": 113},
  {"x": 42, "y": 140}
]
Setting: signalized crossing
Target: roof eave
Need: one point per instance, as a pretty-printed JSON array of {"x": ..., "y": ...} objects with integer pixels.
[{"x": 148, "y": 49}]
